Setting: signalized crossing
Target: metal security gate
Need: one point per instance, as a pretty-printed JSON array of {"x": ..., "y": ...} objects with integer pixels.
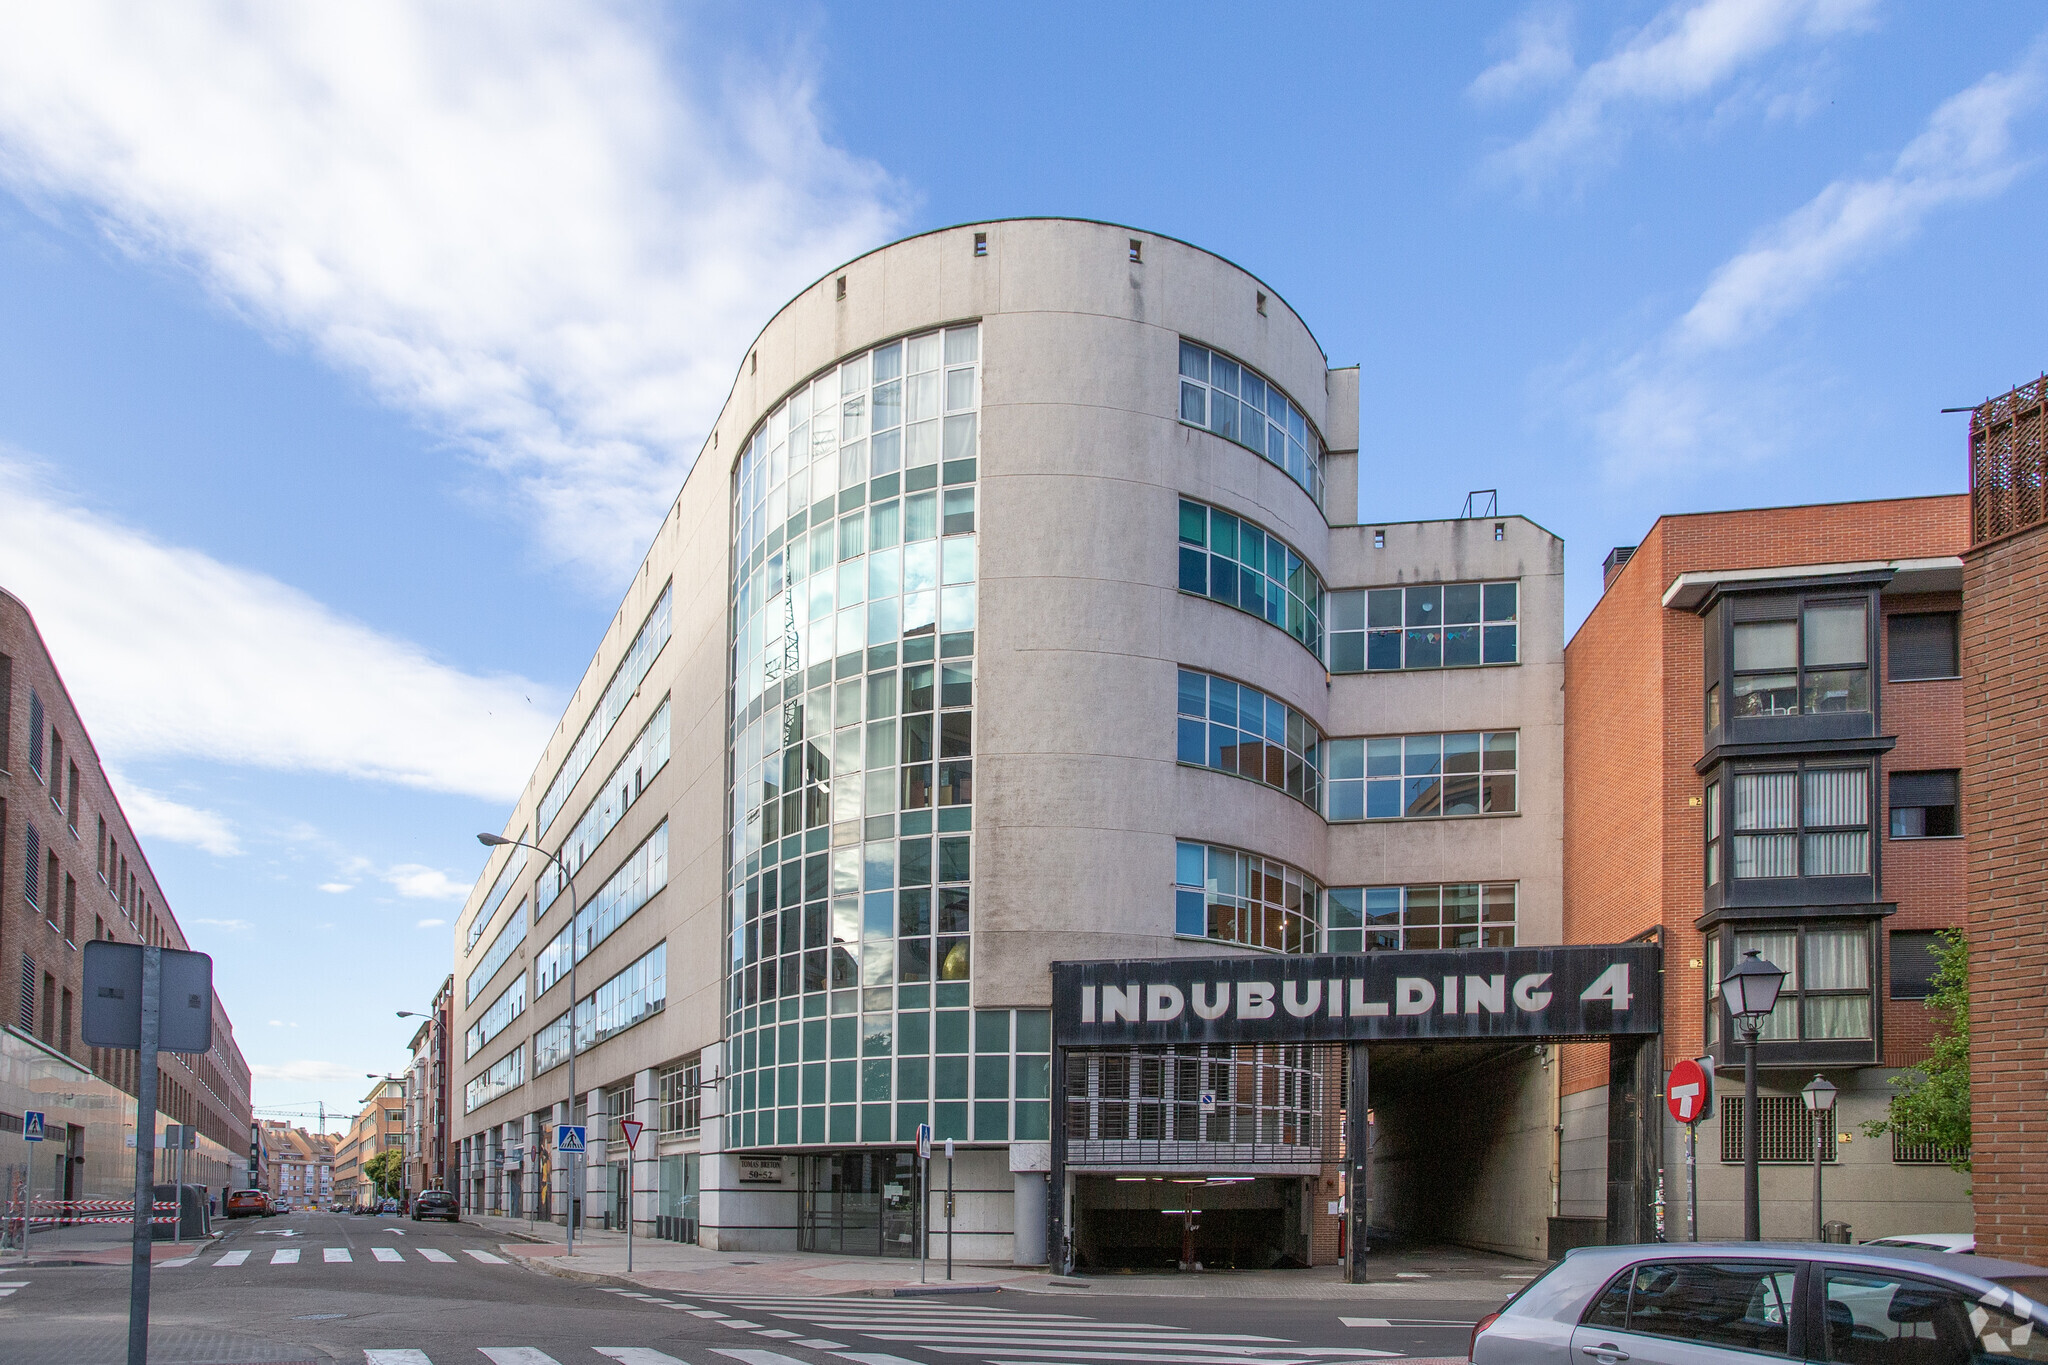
[{"x": 1134, "y": 1039}]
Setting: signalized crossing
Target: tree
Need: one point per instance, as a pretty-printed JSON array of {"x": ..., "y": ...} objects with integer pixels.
[
  {"x": 1932, "y": 1105},
  {"x": 387, "y": 1170}
]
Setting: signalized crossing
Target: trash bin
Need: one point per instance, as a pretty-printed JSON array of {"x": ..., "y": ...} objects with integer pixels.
[{"x": 1835, "y": 1231}]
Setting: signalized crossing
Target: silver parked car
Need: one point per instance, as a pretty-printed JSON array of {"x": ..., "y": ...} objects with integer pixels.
[{"x": 1749, "y": 1303}]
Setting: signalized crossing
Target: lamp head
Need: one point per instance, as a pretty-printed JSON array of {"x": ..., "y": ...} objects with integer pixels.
[
  {"x": 1751, "y": 989},
  {"x": 492, "y": 840},
  {"x": 1819, "y": 1095}
]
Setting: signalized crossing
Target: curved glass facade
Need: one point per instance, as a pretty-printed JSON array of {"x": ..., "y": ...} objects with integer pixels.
[
  {"x": 1236, "y": 729},
  {"x": 1241, "y": 564},
  {"x": 1231, "y": 896},
  {"x": 1233, "y": 400}
]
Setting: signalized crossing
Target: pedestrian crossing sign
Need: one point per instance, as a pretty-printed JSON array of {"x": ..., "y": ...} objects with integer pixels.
[
  {"x": 569, "y": 1137},
  {"x": 32, "y": 1126}
]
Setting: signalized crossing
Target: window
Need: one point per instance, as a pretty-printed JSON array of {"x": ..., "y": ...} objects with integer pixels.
[
  {"x": 625, "y": 681},
  {"x": 1826, "y": 995},
  {"x": 647, "y": 756},
  {"x": 1712, "y": 803},
  {"x": 1240, "y": 564},
  {"x": 1457, "y": 915},
  {"x": 1411, "y": 777},
  {"x": 508, "y": 877},
  {"x": 1812, "y": 822},
  {"x": 510, "y": 1004},
  {"x": 1235, "y": 897},
  {"x": 1921, "y": 644},
  {"x": 981, "y": 244},
  {"x": 506, "y": 1074},
  {"x": 1749, "y": 1307},
  {"x": 71, "y": 797},
  {"x": 1876, "y": 1318},
  {"x": 1439, "y": 625},
  {"x": 1713, "y": 707},
  {"x": 510, "y": 937},
  {"x": 682, "y": 1102},
  {"x": 1137, "y": 250},
  {"x": 1230, "y": 399},
  {"x": 1913, "y": 963},
  {"x": 1237, "y": 729},
  {"x": 1816, "y": 664},
  {"x": 35, "y": 733},
  {"x": 1924, "y": 805}
]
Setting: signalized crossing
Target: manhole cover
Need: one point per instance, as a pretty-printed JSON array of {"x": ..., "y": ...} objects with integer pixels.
[{"x": 318, "y": 1317}]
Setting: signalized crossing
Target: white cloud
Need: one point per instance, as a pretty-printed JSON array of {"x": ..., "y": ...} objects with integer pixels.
[
  {"x": 336, "y": 888},
  {"x": 305, "y": 1071},
  {"x": 1693, "y": 397},
  {"x": 547, "y": 230},
  {"x": 1686, "y": 52},
  {"x": 1966, "y": 152},
  {"x": 416, "y": 882},
  {"x": 233, "y": 926},
  {"x": 155, "y": 816},
  {"x": 1541, "y": 56},
  {"x": 173, "y": 654},
  {"x": 431, "y": 924},
  {"x": 279, "y": 1023}
]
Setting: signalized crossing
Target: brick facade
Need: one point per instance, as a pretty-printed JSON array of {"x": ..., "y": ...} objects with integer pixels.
[
  {"x": 2005, "y": 805},
  {"x": 89, "y": 879}
]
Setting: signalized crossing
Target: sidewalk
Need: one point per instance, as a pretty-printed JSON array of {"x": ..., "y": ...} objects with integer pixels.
[
  {"x": 94, "y": 1244},
  {"x": 1419, "y": 1274}
]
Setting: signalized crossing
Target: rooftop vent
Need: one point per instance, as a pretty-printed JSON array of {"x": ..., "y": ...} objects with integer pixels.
[{"x": 1617, "y": 559}]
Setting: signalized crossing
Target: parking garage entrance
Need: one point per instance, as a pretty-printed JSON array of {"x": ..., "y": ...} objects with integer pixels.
[{"x": 1208, "y": 1103}]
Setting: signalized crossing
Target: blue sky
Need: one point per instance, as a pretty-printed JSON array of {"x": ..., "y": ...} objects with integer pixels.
[{"x": 348, "y": 354}]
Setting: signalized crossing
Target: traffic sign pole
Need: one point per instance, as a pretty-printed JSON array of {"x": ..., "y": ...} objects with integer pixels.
[
  {"x": 924, "y": 1197},
  {"x": 145, "y": 1157},
  {"x": 1689, "y": 1094},
  {"x": 631, "y": 1129}
]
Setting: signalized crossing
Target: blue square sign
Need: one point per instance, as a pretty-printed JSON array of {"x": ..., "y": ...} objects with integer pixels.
[
  {"x": 569, "y": 1137},
  {"x": 32, "y": 1126}
]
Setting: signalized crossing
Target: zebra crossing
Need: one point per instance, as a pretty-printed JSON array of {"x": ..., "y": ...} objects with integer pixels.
[
  {"x": 228, "y": 1260},
  {"x": 986, "y": 1333},
  {"x": 623, "y": 1355}
]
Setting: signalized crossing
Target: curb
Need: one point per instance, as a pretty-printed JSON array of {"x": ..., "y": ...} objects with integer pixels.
[
  {"x": 544, "y": 1265},
  {"x": 912, "y": 1291}
]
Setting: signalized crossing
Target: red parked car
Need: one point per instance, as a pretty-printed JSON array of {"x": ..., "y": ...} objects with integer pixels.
[{"x": 247, "y": 1204}]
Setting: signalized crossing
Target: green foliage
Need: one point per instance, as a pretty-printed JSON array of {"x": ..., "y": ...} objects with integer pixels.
[
  {"x": 386, "y": 1169},
  {"x": 1933, "y": 1100}
]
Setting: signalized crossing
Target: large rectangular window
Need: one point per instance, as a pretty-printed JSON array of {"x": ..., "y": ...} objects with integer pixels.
[
  {"x": 510, "y": 937},
  {"x": 1415, "y": 777},
  {"x": 647, "y": 756},
  {"x": 1240, "y": 730},
  {"x": 1812, "y": 822},
  {"x": 1913, "y": 963},
  {"x": 1826, "y": 995},
  {"x": 1241, "y": 564},
  {"x": 508, "y": 877},
  {"x": 1452, "y": 915},
  {"x": 625, "y": 681},
  {"x": 510, "y": 1004},
  {"x": 1921, "y": 645},
  {"x": 1234, "y": 401},
  {"x": 1815, "y": 663},
  {"x": 1433, "y": 625},
  {"x": 1232, "y": 896},
  {"x": 505, "y": 1075}
]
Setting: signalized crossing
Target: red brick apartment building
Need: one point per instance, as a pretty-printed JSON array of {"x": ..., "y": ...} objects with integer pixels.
[
  {"x": 72, "y": 870},
  {"x": 1763, "y": 748},
  {"x": 2005, "y": 660}
]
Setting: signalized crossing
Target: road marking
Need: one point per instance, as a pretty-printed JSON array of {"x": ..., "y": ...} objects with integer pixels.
[
  {"x": 396, "y": 1358},
  {"x": 1365, "y": 1322},
  {"x": 173, "y": 1265},
  {"x": 637, "y": 1355},
  {"x": 338, "y": 1254},
  {"x": 768, "y": 1357},
  {"x": 385, "y": 1254},
  {"x": 436, "y": 1255},
  {"x": 820, "y": 1344},
  {"x": 518, "y": 1355},
  {"x": 285, "y": 1256},
  {"x": 874, "y": 1358},
  {"x": 233, "y": 1258},
  {"x": 9, "y": 1286},
  {"x": 483, "y": 1256}
]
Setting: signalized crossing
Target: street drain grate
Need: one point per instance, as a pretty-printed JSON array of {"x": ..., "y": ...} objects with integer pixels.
[{"x": 318, "y": 1317}]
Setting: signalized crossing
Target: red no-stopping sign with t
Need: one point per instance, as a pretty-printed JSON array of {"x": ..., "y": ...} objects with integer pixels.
[{"x": 1688, "y": 1091}]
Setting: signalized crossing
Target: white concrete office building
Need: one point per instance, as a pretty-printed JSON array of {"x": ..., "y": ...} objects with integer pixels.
[{"x": 1016, "y": 610}]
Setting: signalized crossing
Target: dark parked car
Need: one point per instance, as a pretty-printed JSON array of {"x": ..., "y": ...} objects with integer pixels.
[
  {"x": 435, "y": 1204},
  {"x": 1739, "y": 1303}
]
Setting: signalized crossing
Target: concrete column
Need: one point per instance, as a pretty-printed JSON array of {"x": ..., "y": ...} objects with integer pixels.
[
  {"x": 597, "y": 1139},
  {"x": 1029, "y": 1218},
  {"x": 647, "y": 1161},
  {"x": 558, "y": 1169}
]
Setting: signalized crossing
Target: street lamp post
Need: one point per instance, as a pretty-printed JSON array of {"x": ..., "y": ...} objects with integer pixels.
[
  {"x": 569, "y": 883},
  {"x": 433, "y": 1018},
  {"x": 1751, "y": 991},
  {"x": 1820, "y": 1102}
]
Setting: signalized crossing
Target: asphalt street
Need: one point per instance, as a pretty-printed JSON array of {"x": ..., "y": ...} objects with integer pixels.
[{"x": 335, "y": 1288}]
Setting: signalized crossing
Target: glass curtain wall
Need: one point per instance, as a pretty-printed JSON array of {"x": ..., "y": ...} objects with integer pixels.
[{"x": 851, "y": 805}]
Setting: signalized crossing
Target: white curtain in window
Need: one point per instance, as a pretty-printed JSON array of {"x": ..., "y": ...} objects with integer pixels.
[
  {"x": 1837, "y": 960},
  {"x": 1765, "y": 855},
  {"x": 1846, "y": 854},
  {"x": 1837, "y": 796},
  {"x": 1779, "y": 947},
  {"x": 1766, "y": 800},
  {"x": 1838, "y": 1016}
]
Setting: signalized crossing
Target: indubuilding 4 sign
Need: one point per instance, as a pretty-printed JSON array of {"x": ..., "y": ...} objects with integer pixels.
[{"x": 1557, "y": 992}]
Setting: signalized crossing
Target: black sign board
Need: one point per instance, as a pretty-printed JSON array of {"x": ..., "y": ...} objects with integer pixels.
[
  {"x": 113, "y": 998},
  {"x": 1580, "y": 991}
]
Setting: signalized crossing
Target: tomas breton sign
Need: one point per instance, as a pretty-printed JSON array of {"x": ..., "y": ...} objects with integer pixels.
[{"x": 1580, "y": 991}]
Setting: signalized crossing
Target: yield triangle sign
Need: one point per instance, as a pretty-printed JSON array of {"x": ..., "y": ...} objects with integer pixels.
[{"x": 630, "y": 1130}]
